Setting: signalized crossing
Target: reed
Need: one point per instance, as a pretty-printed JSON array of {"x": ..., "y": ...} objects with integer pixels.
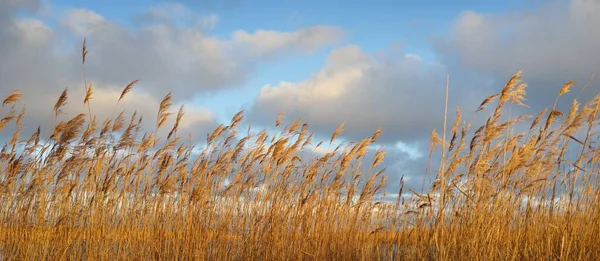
[{"x": 97, "y": 192}]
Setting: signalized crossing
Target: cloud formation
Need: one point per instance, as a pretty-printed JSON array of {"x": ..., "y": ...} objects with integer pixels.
[
  {"x": 404, "y": 95},
  {"x": 171, "y": 51},
  {"x": 172, "y": 48},
  {"x": 397, "y": 91},
  {"x": 267, "y": 43},
  {"x": 552, "y": 44},
  {"x": 184, "y": 59}
]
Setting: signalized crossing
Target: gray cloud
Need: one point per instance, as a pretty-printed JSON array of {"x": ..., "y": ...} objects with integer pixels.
[
  {"x": 398, "y": 162},
  {"x": 30, "y": 5},
  {"x": 183, "y": 59},
  {"x": 395, "y": 90},
  {"x": 398, "y": 91},
  {"x": 174, "y": 50},
  {"x": 165, "y": 54},
  {"x": 552, "y": 44},
  {"x": 404, "y": 95},
  {"x": 26, "y": 49}
]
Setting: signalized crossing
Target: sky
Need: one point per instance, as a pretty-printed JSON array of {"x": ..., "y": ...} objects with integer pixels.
[{"x": 380, "y": 63}]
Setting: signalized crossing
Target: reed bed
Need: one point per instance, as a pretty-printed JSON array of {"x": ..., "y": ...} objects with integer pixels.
[{"x": 98, "y": 189}]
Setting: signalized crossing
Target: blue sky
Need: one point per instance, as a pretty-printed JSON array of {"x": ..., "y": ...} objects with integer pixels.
[{"x": 369, "y": 63}]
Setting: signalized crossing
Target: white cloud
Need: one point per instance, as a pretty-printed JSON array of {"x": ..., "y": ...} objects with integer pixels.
[
  {"x": 412, "y": 150},
  {"x": 81, "y": 21},
  {"x": 184, "y": 58},
  {"x": 33, "y": 31},
  {"x": 174, "y": 14},
  {"x": 172, "y": 50},
  {"x": 400, "y": 93},
  {"x": 266, "y": 43}
]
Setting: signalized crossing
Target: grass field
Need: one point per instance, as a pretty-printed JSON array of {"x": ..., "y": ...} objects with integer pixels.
[{"x": 101, "y": 189}]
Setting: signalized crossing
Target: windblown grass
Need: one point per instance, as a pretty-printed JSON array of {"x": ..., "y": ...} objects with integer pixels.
[{"x": 108, "y": 191}]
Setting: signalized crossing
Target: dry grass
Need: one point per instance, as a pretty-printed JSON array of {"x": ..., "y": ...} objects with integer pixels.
[{"x": 108, "y": 191}]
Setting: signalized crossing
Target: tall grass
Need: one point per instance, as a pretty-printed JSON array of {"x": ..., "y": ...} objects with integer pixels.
[{"x": 103, "y": 191}]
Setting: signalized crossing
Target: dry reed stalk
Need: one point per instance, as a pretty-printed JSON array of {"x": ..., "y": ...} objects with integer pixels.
[{"x": 123, "y": 193}]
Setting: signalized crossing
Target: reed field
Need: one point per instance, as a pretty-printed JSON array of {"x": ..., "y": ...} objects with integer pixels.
[{"x": 517, "y": 187}]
